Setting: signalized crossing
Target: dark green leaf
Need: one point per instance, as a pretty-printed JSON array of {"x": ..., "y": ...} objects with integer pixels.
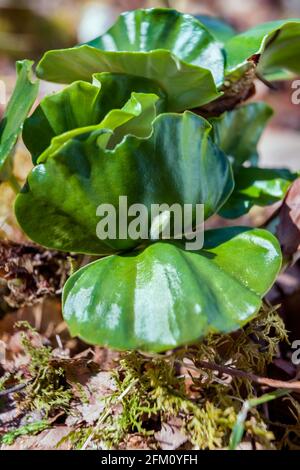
[
  {"x": 256, "y": 186},
  {"x": 237, "y": 132},
  {"x": 179, "y": 163},
  {"x": 164, "y": 296}
]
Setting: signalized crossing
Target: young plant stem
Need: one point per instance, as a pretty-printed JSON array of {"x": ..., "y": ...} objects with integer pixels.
[
  {"x": 273, "y": 383},
  {"x": 15, "y": 389}
]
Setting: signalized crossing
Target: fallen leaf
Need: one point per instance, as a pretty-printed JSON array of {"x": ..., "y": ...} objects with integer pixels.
[
  {"x": 170, "y": 437},
  {"x": 288, "y": 228}
]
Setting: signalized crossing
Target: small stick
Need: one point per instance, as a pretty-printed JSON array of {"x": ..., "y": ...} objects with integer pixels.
[
  {"x": 14, "y": 389},
  {"x": 273, "y": 383},
  {"x": 265, "y": 81},
  {"x": 59, "y": 343}
]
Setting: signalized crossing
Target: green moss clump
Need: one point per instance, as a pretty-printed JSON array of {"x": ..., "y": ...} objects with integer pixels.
[
  {"x": 156, "y": 389},
  {"x": 47, "y": 390}
]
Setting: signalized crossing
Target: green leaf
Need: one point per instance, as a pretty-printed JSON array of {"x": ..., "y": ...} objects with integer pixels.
[
  {"x": 278, "y": 44},
  {"x": 164, "y": 296},
  {"x": 135, "y": 118},
  {"x": 159, "y": 28},
  {"x": 237, "y": 132},
  {"x": 82, "y": 105},
  {"x": 221, "y": 30},
  {"x": 19, "y": 105},
  {"x": 178, "y": 163},
  {"x": 172, "y": 49},
  {"x": 256, "y": 186}
]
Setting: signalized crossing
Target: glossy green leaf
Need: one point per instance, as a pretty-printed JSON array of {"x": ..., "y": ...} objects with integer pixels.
[
  {"x": 179, "y": 163},
  {"x": 164, "y": 296},
  {"x": 221, "y": 30},
  {"x": 160, "y": 28},
  {"x": 19, "y": 105},
  {"x": 83, "y": 105},
  {"x": 173, "y": 49},
  {"x": 237, "y": 132},
  {"x": 135, "y": 118},
  {"x": 278, "y": 43},
  {"x": 256, "y": 186}
]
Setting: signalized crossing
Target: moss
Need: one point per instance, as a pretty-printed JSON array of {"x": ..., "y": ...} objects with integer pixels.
[
  {"x": 154, "y": 389},
  {"x": 28, "y": 429},
  {"x": 76, "y": 438},
  {"x": 48, "y": 390}
]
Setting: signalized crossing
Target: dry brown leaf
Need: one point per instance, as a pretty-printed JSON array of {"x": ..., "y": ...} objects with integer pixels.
[
  {"x": 170, "y": 437},
  {"x": 288, "y": 229}
]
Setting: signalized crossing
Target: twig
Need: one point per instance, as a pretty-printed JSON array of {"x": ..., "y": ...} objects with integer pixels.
[
  {"x": 273, "y": 383},
  {"x": 14, "y": 389},
  {"x": 266, "y": 82}
]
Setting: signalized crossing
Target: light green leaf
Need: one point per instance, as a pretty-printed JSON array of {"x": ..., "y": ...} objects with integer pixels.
[
  {"x": 164, "y": 296},
  {"x": 256, "y": 186},
  {"x": 135, "y": 118},
  {"x": 278, "y": 44},
  {"x": 178, "y": 163},
  {"x": 81, "y": 105},
  {"x": 172, "y": 49},
  {"x": 19, "y": 105}
]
